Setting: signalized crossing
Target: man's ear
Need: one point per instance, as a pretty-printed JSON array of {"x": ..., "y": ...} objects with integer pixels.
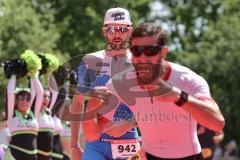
[
  {"x": 104, "y": 32},
  {"x": 164, "y": 51},
  {"x": 130, "y": 30}
]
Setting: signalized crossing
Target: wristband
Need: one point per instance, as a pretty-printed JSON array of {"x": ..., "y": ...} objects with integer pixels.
[{"x": 183, "y": 99}]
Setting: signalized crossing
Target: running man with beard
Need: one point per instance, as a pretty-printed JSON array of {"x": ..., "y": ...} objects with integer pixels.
[
  {"x": 168, "y": 99},
  {"x": 95, "y": 70}
]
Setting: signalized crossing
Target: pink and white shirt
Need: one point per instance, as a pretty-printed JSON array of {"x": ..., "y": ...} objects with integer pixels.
[{"x": 167, "y": 130}]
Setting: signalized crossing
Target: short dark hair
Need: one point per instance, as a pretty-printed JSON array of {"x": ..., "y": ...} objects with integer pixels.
[{"x": 151, "y": 29}]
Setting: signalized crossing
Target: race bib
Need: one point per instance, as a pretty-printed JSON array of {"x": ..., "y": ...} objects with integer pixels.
[{"x": 123, "y": 149}]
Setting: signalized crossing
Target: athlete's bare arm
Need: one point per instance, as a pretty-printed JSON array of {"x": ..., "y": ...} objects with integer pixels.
[
  {"x": 93, "y": 123},
  {"x": 75, "y": 110},
  {"x": 206, "y": 112}
]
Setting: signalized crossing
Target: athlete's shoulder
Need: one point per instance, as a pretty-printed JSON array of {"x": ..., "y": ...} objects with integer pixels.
[
  {"x": 97, "y": 54},
  {"x": 179, "y": 68},
  {"x": 92, "y": 58},
  {"x": 183, "y": 71},
  {"x": 129, "y": 54},
  {"x": 188, "y": 79}
]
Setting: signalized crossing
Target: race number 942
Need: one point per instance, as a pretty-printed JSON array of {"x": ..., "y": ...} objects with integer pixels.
[{"x": 127, "y": 148}]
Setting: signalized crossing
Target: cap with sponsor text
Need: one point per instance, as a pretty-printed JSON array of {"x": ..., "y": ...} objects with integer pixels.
[{"x": 117, "y": 16}]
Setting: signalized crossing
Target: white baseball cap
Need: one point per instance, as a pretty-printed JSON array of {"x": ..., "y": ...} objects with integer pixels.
[{"x": 117, "y": 16}]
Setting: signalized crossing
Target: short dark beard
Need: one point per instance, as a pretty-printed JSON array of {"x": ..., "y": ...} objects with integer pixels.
[
  {"x": 114, "y": 46},
  {"x": 150, "y": 78}
]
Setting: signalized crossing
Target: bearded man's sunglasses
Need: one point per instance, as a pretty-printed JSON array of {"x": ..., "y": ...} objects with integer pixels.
[{"x": 148, "y": 51}]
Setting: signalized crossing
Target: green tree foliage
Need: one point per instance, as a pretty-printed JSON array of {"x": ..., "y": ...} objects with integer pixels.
[
  {"x": 80, "y": 22},
  {"x": 188, "y": 20},
  {"x": 23, "y": 28},
  {"x": 218, "y": 60},
  {"x": 224, "y": 42}
]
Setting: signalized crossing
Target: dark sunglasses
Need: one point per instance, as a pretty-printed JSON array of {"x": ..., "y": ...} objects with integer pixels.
[
  {"x": 22, "y": 98},
  {"x": 148, "y": 51},
  {"x": 114, "y": 29},
  {"x": 47, "y": 96}
]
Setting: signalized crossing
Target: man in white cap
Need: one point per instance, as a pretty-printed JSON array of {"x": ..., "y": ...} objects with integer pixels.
[{"x": 95, "y": 70}]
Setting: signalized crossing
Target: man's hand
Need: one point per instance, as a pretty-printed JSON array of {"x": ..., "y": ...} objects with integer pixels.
[
  {"x": 118, "y": 128},
  {"x": 101, "y": 93},
  {"x": 98, "y": 99},
  {"x": 76, "y": 153},
  {"x": 218, "y": 138}
]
